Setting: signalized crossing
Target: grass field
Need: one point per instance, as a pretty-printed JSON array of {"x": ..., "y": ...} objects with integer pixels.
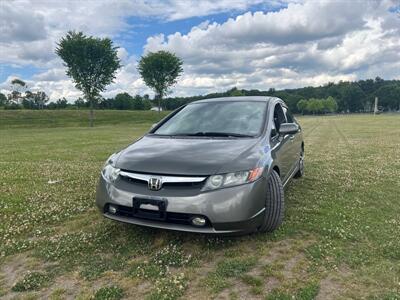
[{"x": 340, "y": 238}]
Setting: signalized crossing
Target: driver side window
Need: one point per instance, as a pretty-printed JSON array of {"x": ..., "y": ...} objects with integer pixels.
[
  {"x": 288, "y": 115},
  {"x": 279, "y": 118}
]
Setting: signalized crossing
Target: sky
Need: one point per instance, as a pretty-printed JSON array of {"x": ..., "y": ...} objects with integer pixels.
[{"x": 250, "y": 44}]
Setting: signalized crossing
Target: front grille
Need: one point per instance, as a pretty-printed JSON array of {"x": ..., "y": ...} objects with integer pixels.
[
  {"x": 179, "y": 185},
  {"x": 171, "y": 217},
  {"x": 134, "y": 181}
]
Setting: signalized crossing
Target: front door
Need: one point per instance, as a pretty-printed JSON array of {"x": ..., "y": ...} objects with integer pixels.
[{"x": 282, "y": 145}]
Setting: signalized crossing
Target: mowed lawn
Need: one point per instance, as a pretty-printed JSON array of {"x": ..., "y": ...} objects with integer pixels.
[{"x": 340, "y": 238}]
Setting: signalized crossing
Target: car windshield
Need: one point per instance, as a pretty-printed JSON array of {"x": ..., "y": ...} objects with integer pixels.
[{"x": 220, "y": 119}]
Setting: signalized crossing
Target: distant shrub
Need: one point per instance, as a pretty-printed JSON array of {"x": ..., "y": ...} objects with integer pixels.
[{"x": 13, "y": 106}]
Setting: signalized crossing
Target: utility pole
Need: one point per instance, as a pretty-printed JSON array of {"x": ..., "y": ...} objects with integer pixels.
[{"x": 376, "y": 106}]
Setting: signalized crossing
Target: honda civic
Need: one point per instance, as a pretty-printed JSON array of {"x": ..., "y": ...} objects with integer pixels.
[{"x": 211, "y": 166}]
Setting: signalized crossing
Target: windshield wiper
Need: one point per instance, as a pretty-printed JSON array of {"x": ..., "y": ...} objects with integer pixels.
[{"x": 215, "y": 134}]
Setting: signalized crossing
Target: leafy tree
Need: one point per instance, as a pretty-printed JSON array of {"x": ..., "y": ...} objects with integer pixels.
[
  {"x": 18, "y": 82},
  {"x": 80, "y": 103},
  {"x": 160, "y": 71},
  {"x": 106, "y": 103},
  {"x": 14, "y": 97},
  {"x": 91, "y": 63},
  {"x": 315, "y": 105},
  {"x": 234, "y": 92},
  {"x": 62, "y": 103},
  {"x": 3, "y": 99},
  {"x": 138, "y": 103},
  {"x": 389, "y": 96},
  {"x": 28, "y": 101},
  {"x": 353, "y": 97},
  {"x": 330, "y": 104},
  {"x": 302, "y": 105},
  {"x": 36, "y": 100},
  {"x": 40, "y": 98},
  {"x": 146, "y": 104},
  {"x": 18, "y": 87},
  {"x": 123, "y": 101}
]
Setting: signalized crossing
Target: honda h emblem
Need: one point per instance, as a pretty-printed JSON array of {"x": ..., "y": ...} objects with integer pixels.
[{"x": 155, "y": 183}]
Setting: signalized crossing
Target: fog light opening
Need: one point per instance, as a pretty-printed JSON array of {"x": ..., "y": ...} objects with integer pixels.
[
  {"x": 112, "y": 209},
  {"x": 199, "y": 221}
]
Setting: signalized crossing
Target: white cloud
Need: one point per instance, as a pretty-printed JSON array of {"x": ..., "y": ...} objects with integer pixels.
[
  {"x": 304, "y": 44},
  {"x": 20, "y": 24},
  {"x": 28, "y": 26},
  {"x": 178, "y": 9},
  {"x": 54, "y": 74}
]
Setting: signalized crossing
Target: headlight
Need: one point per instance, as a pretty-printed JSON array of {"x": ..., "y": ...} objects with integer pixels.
[
  {"x": 110, "y": 173},
  {"x": 231, "y": 179}
]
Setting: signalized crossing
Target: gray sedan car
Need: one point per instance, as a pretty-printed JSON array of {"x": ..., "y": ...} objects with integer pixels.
[{"x": 212, "y": 166}]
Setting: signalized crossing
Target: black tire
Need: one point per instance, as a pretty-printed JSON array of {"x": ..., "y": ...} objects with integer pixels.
[
  {"x": 274, "y": 204},
  {"x": 300, "y": 171}
]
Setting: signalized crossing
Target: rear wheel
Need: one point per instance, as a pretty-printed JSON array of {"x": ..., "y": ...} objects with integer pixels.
[
  {"x": 300, "y": 171},
  {"x": 274, "y": 204}
]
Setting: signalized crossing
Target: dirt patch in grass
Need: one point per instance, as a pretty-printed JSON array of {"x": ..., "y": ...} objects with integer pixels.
[
  {"x": 329, "y": 289},
  {"x": 238, "y": 290},
  {"x": 66, "y": 287},
  {"x": 15, "y": 267},
  {"x": 12, "y": 268}
]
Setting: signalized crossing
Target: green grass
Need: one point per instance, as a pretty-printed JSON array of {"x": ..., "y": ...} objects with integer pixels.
[
  {"x": 73, "y": 118},
  {"x": 340, "y": 238},
  {"x": 109, "y": 293},
  {"x": 31, "y": 281},
  {"x": 226, "y": 269},
  {"x": 308, "y": 292}
]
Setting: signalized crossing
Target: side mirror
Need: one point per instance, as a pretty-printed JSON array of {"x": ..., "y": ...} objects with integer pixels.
[{"x": 288, "y": 128}]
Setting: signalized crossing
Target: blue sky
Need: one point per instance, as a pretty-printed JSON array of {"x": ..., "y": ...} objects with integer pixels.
[
  {"x": 143, "y": 27},
  {"x": 243, "y": 43}
]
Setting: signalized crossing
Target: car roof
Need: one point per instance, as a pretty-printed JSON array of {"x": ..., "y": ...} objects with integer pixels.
[{"x": 241, "y": 98}]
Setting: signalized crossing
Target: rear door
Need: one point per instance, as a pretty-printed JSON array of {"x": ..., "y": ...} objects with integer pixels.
[{"x": 295, "y": 142}]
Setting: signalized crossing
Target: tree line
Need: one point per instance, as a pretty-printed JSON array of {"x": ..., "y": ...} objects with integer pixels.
[
  {"x": 348, "y": 97},
  {"x": 39, "y": 100}
]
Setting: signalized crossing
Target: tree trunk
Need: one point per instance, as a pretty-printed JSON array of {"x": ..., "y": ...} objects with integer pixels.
[
  {"x": 159, "y": 103},
  {"x": 91, "y": 113}
]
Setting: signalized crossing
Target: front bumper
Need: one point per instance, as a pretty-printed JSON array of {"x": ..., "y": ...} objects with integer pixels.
[{"x": 228, "y": 210}]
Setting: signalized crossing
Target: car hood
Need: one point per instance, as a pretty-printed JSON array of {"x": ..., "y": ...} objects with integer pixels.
[{"x": 189, "y": 156}]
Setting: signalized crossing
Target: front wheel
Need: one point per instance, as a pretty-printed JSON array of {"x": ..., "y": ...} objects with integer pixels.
[{"x": 274, "y": 204}]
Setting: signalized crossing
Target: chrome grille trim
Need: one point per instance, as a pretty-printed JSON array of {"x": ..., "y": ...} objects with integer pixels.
[{"x": 165, "y": 179}]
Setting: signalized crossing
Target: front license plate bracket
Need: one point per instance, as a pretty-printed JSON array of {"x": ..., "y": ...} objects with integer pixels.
[{"x": 160, "y": 214}]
